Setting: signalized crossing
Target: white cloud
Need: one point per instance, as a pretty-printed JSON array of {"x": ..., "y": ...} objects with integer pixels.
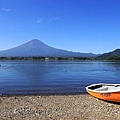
[
  {"x": 50, "y": 20},
  {"x": 39, "y": 20},
  {"x": 53, "y": 19},
  {"x": 57, "y": 18},
  {"x": 5, "y": 9}
]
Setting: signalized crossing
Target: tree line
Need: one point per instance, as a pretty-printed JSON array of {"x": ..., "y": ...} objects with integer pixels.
[
  {"x": 112, "y": 57},
  {"x": 44, "y": 58}
]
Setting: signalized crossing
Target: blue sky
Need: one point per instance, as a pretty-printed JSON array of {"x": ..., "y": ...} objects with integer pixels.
[{"x": 73, "y": 25}]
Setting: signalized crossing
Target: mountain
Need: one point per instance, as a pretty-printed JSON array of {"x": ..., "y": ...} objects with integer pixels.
[
  {"x": 37, "y": 48},
  {"x": 110, "y": 54}
]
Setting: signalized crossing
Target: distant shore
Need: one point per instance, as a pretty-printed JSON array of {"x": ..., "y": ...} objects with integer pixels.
[
  {"x": 45, "y": 58},
  {"x": 82, "y": 58},
  {"x": 57, "y": 107}
]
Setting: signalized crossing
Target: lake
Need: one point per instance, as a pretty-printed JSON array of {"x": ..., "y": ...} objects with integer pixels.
[{"x": 54, "y": 77}]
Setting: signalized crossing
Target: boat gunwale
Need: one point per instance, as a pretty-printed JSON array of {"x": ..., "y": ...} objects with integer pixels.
[{"x": 110, "y": 91}]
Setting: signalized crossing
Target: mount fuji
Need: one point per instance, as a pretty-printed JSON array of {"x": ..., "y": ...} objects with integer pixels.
[{"x": 37, "y": 48}]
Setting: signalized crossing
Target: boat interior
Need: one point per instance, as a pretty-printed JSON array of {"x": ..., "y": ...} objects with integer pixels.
[{"x": 105, "y": 87}]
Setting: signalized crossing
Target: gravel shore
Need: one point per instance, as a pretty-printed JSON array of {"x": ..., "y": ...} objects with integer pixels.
[{"x": 57, "y": 107}]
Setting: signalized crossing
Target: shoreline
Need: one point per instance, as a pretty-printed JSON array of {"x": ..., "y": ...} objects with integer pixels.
[
  {"x": 43, "y": 94},
  {"x": 57, "y": 107}
]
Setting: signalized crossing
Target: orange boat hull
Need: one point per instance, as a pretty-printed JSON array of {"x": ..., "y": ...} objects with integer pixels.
[{"x": 111, "y": 96}]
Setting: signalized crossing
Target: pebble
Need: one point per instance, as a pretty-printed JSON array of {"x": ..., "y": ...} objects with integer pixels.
[{"x": 57, "y": 107}]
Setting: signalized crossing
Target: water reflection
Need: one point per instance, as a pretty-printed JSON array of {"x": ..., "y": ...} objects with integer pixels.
[{"x": 55, "y": 76}]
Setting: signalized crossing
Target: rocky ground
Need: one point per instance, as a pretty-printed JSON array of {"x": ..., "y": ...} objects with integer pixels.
[{"x": 57, "y": 107}]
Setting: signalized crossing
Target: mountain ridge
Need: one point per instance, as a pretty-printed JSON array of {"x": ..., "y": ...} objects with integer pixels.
[
  {"x": 115, "y": 52},
  {"x": 36, "y": 47}
]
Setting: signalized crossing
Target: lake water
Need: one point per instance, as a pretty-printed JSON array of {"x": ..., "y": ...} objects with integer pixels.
[{"x": 55, "y": 77}]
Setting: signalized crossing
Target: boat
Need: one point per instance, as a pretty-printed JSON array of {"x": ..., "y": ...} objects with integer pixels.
[{"x": 107, "y": 92}]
